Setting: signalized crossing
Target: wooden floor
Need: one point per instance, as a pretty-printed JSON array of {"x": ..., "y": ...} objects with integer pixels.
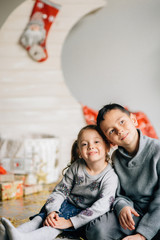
[{"x": 19, "y": 210}]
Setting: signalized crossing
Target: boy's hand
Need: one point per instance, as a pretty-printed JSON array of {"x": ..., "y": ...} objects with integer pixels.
[
  {"x": 62, "y": 223},
  {"x": 49, "y": 221},
  {"x": 125, "y": 218},
  {"x": 135, "y": 237}
]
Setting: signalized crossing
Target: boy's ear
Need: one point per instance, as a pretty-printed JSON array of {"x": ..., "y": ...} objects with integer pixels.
[
  {"x": 112, "y": 145},
  {"x": 134, "y": 119}
]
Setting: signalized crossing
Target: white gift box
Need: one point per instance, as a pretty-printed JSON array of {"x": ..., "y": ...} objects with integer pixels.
[{"x": 38, "y": 155}]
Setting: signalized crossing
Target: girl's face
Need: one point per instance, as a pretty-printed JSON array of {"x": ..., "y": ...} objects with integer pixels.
[{"x": 92, "y": 147}]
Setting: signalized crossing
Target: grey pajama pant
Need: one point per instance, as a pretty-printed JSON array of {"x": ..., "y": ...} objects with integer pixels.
[{"x": 107, "y": 227}]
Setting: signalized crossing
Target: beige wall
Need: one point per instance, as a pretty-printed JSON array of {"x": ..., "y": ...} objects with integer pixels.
[{"x": 113, "y": 55}]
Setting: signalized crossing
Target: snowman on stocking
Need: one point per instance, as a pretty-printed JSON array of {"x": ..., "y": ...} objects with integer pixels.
[{"x": 35, "y": 34}]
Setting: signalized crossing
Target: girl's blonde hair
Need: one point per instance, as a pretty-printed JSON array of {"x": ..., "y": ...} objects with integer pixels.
[{"x": 75, "y": 147}]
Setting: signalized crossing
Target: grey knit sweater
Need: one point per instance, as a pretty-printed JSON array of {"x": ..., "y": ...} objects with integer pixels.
[
  {"x": 94, "y": 194},
  {"x": 140, "y": 183}
]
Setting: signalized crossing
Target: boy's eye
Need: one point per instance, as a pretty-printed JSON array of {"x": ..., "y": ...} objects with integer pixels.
[
  {"x": 111, "y": 131},
  {"x": 122, "y": 121}
]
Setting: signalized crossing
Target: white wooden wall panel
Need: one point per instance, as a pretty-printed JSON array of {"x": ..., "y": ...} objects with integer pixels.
[{"x": 33, "y": 96}]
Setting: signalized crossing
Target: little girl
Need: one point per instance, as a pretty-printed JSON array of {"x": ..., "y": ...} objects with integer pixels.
[{"x": 86, "y": 192}]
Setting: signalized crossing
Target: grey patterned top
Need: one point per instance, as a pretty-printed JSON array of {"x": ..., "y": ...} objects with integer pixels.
[{"x": 94, "y": 194}]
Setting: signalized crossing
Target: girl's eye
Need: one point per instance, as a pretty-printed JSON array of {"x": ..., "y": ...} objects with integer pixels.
[
  {"x": 83, "y": 144},
  {"x": 96, "y": 141}
]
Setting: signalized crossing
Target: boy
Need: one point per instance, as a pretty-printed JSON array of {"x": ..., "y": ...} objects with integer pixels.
[{"x": 137, "y": 164}]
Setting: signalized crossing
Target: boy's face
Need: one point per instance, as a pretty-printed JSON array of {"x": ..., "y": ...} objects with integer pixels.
[{"x": 120, "y": 128}]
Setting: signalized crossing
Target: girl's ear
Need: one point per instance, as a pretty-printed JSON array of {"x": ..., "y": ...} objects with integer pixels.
[
  {"x": 79, "y": 154},
  {"x": 134, "y": 119}
]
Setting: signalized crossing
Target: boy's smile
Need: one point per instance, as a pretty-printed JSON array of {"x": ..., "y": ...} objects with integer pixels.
[
  {"x": 124, "y": 136},
  {"x": 120, "y": 129}
]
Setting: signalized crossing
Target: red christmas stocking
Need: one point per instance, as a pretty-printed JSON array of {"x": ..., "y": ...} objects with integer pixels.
[{"x": 35, "y": 34}]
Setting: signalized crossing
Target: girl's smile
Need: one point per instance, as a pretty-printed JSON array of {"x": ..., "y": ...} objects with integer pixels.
[{"x": 92, "y": 152}]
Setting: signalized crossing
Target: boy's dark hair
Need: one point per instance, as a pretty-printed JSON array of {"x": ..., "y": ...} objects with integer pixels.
[
  {"x": 74, "y": 149},
  {"x": 108, "y": 108}
]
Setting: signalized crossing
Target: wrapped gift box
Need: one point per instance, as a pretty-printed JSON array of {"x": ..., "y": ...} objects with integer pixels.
[
  {"x": 37, "y": 155},
  {"x": 8, "y": 177},
  {"x": 9, "y": 190},
  {"x": 19, "y": 177},
  {"x": 32, "y": 189}
]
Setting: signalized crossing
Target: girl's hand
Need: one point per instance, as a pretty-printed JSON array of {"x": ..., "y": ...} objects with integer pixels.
[
  {"x": 135, "y": 237},
  {"x": 62, "y": 223},
  {"x": 49, "y": 221},
  {"x": 125, "y": 218}
]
